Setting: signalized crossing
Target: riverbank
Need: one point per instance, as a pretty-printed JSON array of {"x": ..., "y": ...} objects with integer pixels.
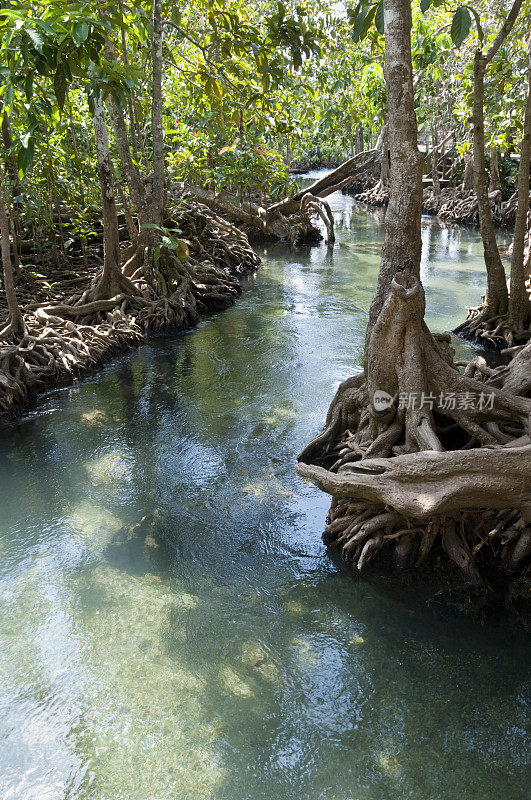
[
  {"x": 66, "y": 340},
  {"x": 453, "y": 204}
]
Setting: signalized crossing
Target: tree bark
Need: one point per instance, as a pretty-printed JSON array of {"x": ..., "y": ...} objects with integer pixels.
[
  {"x": 435, "y": 165},
  {"x": 332, "y": 182},
  {"x": 519, "y": 301},
  {"x": 112, "y": 281},
  {"x": 420, "y": 485},
  {"x": 402, "y": 244},
  {"x": 384, "y": 168},
  {"x": 494, "y": 171},
  {"x": 12, "y": 171},
  {"x": 16, "y": 324},
  {"x": 131, "y": 171},
  {"x": 496, "y": 295},
  {"x": 157, "y": 130},
  {"x": 468, "y": 175}
]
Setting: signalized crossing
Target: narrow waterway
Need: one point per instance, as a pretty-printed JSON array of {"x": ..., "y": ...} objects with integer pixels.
[{"x": 171, "y": 625}]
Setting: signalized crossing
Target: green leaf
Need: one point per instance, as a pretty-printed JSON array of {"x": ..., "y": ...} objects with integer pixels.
[
  {"x": 36, "y": 39},
  {"x": 216, "y": 88},
  {"x": 25, "y": 156},
  {"x": 150, "y": 226},
  {"x": 59, "y": 86},
  {"x": 379, "y": 17},
  {"x": 424, "y": 5},
  {"x": 28, "y": 86},
  {"x": 460, "y": 26},
  {"x": 80, "y": 33},
  {"x": 478, "y": 23},
  {"x": 363, "y": 22}
]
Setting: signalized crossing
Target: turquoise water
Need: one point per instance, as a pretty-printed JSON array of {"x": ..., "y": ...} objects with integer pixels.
[{"x": 171, "y": 624}]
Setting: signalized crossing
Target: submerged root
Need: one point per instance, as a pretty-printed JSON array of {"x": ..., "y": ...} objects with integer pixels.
[
  {"x": 482, "y": 545},
  {"x": 421, "y": 457},
  {"x": 311, "y": 205}
]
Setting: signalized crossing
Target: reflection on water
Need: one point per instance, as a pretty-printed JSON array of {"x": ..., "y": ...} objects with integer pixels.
[{"x": 171, "y": 624}]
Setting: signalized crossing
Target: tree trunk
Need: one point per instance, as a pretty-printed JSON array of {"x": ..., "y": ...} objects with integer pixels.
[
  {"x": 519, "y": 301},
  {"x": 130, "y": 111},
  {"x": 12, "y": 171},
  {"x": 384, "y": 169},
  {"x": 468, "y": 175},
  {"x": 131, "y": 171},
  {"x": 16, "y": 324},
  {"x": 332, "y": 182},
  {"x": 435, "y": 165},
  {"x": 402, "y": 245},
  {"x": 112, "y": 281},
  {"x": 157, "y": 130},
  {"x": 496, "y": 295},
  {"x": 494, "y": 171},
  {"x": 380, "y": 453}
]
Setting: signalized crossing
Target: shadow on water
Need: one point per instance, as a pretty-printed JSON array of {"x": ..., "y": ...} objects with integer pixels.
[{"x": 172, "y": 626}]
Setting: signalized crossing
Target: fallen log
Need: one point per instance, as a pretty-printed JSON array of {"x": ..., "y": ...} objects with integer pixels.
[
  {"x": 252, "y": 217},
  {"x": 330, "y": 183},
  {"x": 286, "y": 219}
]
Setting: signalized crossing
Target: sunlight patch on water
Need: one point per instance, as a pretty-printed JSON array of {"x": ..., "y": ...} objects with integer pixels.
[
  {"x": 95, "y": 524},
  {"x": 114, "y": 466}
]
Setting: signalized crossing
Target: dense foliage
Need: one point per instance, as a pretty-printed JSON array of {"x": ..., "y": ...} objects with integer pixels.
[{"x": 249, "y": 89}]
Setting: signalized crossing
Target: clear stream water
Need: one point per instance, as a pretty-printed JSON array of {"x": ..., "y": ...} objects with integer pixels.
[{"x": 172, "y": 627}]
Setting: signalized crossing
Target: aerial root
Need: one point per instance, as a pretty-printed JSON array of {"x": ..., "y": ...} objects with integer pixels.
[
  {"x": 311, "y": 205},
  {"x": 474, "y": 541},
  {"x": 460, "y": 206},
  {"x": 496, "y": 331}
]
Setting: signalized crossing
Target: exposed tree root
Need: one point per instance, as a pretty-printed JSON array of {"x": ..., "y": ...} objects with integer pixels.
[
  {"x": 334, "y": 181},
  {"x": 492, "y": 331},
  {"x": 54, "y": 351},
  {"x": 256, "y": 221},
  {"x": 72, "y": 338},
  {"x": 421, "y": 458},
  {"x": 311, "y": 205},
  {"x": 452, "y": 204},
  {"x": 165, "y": 291},
  {"x": 459, "y": 205},
  {"x": 377, "y": 196}
]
